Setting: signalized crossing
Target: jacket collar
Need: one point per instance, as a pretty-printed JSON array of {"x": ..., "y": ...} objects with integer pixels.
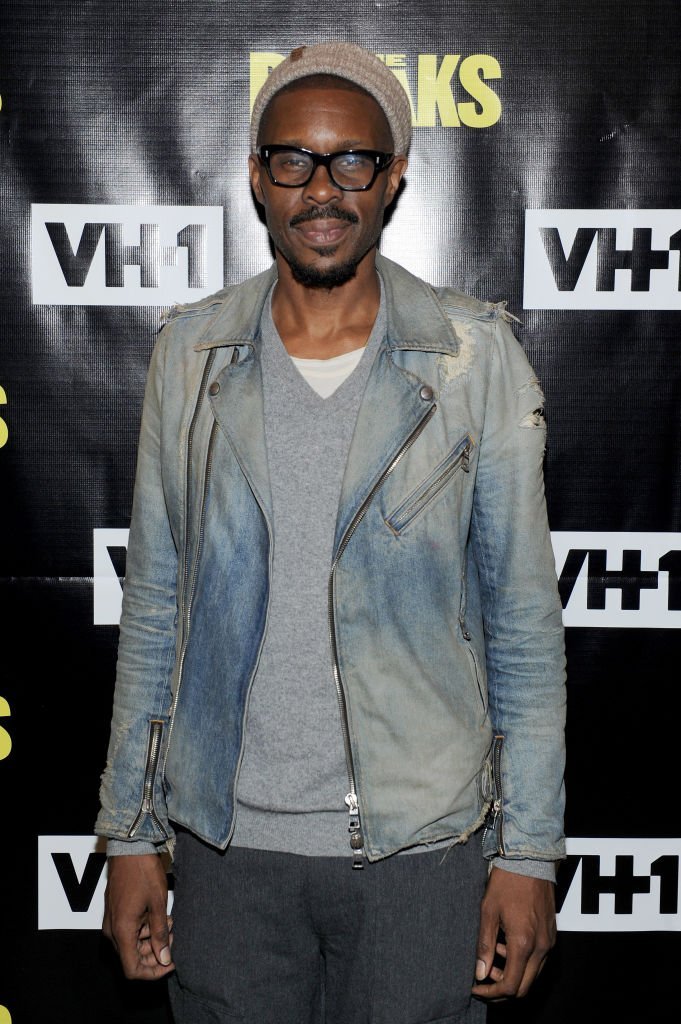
[{"x": 416, "y": 320}]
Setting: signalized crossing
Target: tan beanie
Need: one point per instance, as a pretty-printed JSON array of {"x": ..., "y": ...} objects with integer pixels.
[{"x": 345, "y": 60}]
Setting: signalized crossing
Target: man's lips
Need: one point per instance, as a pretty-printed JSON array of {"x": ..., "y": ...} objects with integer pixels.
[
  {"x": 324, "y": 226},
  {"x": 323, "y": 232}
]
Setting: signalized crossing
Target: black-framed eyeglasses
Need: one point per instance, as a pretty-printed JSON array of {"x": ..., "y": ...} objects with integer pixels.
[{"x": 352, "y": 170}]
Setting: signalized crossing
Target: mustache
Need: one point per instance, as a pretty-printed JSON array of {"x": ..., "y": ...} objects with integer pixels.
[{"x": 323, "y": 213}]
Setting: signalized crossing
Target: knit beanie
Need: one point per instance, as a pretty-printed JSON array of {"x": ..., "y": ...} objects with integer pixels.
[{"x": 344, "y": 60}]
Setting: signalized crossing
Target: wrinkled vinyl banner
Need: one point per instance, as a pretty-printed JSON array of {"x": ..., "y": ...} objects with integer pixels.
[{"x": 544, "y": 171}]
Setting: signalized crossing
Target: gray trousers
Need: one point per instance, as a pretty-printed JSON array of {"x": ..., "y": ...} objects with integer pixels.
[{"x": 276, "y": 938}]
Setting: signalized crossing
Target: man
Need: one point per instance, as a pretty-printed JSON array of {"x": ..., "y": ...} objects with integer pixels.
[{"x": 341, "y": 642}]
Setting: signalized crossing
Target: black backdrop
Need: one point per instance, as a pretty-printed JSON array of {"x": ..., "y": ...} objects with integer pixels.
[{"x": 544, "y": 171}]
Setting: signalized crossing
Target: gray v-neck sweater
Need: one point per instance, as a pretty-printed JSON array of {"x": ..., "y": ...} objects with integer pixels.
[{"x": 293, "y": 778}]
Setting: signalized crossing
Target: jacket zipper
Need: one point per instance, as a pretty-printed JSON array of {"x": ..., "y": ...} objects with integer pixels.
[
  {"x": 406, "y": 515},
  {"x": 494, "y": 819},
  {"x": 352, "y": 799},
  {"x": 147, "y": 805},
  {"x": 202, "y": 520},
  {"x": 188, "y": 597},
  {"x": 156, "y": 727}
]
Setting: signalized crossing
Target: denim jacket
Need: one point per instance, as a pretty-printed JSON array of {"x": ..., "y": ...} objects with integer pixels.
[{"x": 444, "y": 615}]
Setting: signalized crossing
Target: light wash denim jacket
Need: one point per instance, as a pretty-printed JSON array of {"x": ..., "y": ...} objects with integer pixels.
[{"x": 444, "y": 615}]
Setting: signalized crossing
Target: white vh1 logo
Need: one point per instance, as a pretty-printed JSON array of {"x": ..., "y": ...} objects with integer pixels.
[
  {"x": 625, "y": 580},
  {"x": 602, "y": 259},
  {"x": 109, "y": 551},
  {"x": 619, "y": 885},
  {"x": 71, "y": 882},
  {"x": 97, "y": 255},
  {"x": 606, "y": 885}
]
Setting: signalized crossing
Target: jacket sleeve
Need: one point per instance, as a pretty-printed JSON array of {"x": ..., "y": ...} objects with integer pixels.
[
  {"x": 522, "y": 615},
  {"x": 132, "y": 801}
]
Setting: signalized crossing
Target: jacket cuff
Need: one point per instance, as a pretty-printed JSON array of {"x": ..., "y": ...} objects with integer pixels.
[
  {"x": 119, "y": 848},
  {"x": 545, "y": 869}
]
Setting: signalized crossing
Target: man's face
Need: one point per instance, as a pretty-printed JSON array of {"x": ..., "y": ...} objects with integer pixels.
[{"x": 321, "y": 231}]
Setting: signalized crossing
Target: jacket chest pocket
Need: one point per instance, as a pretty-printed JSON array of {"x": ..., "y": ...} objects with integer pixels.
[{"x": 426, "y": 492}]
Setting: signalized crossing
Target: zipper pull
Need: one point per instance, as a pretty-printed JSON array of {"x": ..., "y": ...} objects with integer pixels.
[
  {"x": 493, "y": 814},
  {"x": 464, "y": 632},
  {"x": 355, "y": 830},
  {"x": 465, "y": 458},
  {"x": 491, "y": 818}
]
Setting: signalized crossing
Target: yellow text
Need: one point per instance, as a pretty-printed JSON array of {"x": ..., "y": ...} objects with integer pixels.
[
  {"x": 4, "y": 434},
  {"x": 443, "y": 90},
  {"x": 5, "y": 743}
]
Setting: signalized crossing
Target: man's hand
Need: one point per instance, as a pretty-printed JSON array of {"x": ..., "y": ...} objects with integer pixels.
[
  {"x": 525, "y": 909},
  {"x": 135, "y": 918}
]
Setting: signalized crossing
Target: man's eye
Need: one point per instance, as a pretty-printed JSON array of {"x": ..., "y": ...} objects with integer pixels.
[
  {"x": 351, "y": 162},
  {"x": 293, "y": 161}
]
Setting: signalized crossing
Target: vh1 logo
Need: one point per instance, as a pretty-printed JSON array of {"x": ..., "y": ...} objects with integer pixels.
[
  {"x": 619, "y": 885},
  {"x": 625, "y": 580},
  {"x": 606, "y": 885},
  {"x": 71, "y": 882},
  {"x": 602, "y": 259},
  {"x": 109, "y": 551},
  {"x": 96, "y": 255}
]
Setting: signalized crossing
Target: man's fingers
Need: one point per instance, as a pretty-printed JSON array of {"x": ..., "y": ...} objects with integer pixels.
[
  {"x": 145, "y": 930},
  {"x": 506, "y": 984},
  {"x": 148, "y": 962},
  {"x": 517, "y": 921},
  {"x": 136, "y": 917},
  {"x": 160, "y": 935},
  {"x": 487, "y": 940},
  {"x": 139, "y": 959},
  {"x": 518, "y": 956},
  {"x": 146, "y": 968},
  {"x": 534, "y": 969},
  {"x": 505, "y": 980},
  {"x": 523, "y": 962}
]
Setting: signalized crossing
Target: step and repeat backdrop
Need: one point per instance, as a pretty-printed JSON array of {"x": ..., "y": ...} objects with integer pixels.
[{"x": 544, "y": 171}]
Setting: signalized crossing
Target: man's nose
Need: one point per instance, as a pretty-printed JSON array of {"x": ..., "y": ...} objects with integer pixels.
[{"x": 320, "y": 188}]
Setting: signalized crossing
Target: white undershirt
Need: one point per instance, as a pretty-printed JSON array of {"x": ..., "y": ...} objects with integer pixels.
[{"x": 325, "y": 375}]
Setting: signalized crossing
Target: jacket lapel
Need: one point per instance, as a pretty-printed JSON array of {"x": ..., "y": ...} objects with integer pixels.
[
  {"x": 394, "y": 401},
  {"x": 392, "y": 408},
  {"x": 238, "y": 409},
  {"x": 235, "y": 390}
]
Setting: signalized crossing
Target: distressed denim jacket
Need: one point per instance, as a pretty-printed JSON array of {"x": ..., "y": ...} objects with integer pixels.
[{"x": 444, "y": 615}]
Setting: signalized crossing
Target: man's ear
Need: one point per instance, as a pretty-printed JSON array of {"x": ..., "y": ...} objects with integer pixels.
[
  {"x": 394, "y": 175},
  {"x": 254, "y": 172}
]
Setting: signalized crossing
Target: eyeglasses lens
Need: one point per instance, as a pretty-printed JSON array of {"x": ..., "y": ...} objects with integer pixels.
[{"x": 351, "y": 170}]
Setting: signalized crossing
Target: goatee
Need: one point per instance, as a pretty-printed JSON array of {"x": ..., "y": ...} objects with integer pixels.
[
  {"x": 311, "y": 276},
  {"x": 316, "y": 277}
]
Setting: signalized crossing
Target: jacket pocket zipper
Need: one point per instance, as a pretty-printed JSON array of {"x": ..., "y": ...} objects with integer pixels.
[
  {"x": 147, "y": 805},
  {"x": 474, "y": 664},
  {"x": 458, "y": 458}
]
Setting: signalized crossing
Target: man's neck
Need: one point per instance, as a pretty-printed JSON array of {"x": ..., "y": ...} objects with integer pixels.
[{"x": 319, "y": 323}]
